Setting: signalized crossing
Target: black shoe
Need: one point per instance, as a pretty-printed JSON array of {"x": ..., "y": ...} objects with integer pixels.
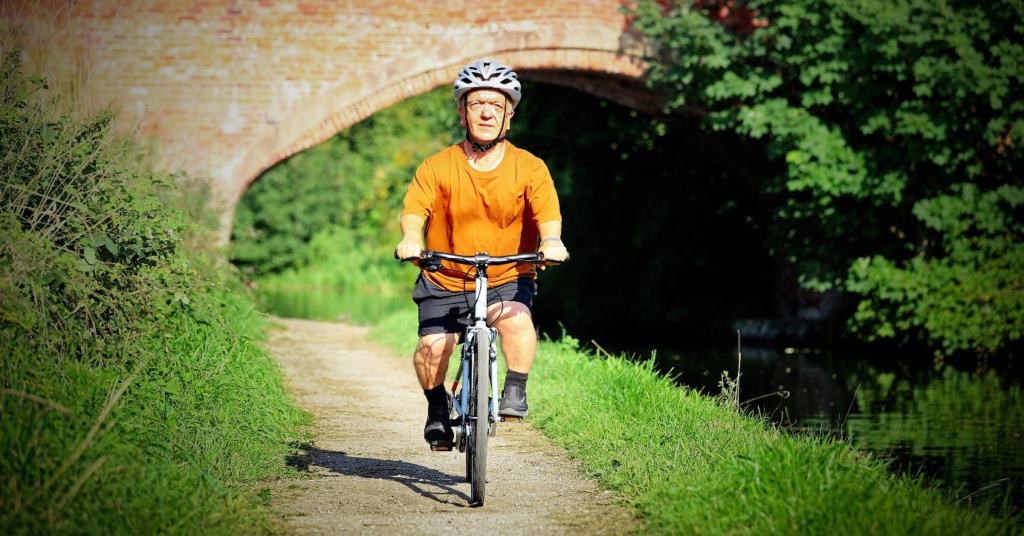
[
  {"x": 438, "y": 430},
  {"x": 513, "y": 401}
]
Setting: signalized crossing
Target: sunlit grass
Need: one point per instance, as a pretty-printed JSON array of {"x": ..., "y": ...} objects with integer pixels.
[{"x": 202, "y": 418}]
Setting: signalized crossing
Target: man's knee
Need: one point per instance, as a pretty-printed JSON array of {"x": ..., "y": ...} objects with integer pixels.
[
  {"x": 511, "y": 318},
  {"x": 435, "y": 346}
]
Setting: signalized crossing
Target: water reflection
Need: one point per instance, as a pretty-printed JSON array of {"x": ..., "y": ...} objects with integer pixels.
[
  {"x": 961, "y": 429},
  {"x": 329, "y": 303}
]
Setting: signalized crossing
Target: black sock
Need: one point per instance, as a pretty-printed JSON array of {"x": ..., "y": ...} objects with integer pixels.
[
  {"x": 513, "y": 377},
  {"x": 437, "y": 398}
]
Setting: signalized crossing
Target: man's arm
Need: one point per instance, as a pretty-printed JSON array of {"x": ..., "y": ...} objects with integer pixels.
[
  {"x": 416, "y": 207},
  {"x": 551, "y": 241},
  {"x": 411, "y": 245}
]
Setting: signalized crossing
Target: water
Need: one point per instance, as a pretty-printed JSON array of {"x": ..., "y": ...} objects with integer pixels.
[
  {"x": 326, "y": 303},
  {"x": 958, "y": 425}
]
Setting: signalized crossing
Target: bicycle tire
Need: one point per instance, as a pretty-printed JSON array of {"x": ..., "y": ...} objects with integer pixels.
[
  {"x": 467, "y": 357},
  {"x": 476, "y": 454}
]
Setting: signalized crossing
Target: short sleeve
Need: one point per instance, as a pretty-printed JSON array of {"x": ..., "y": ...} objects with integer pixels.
[
  {"x": 542, "y": 195},
  {"x": 419, "y": 197}
]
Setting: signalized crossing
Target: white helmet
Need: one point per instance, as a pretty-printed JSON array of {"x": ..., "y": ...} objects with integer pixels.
[{"x": 487, "y": 73}]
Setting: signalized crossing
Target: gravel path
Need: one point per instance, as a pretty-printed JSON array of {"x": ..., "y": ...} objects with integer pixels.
[{"x": 371, "y": 472}]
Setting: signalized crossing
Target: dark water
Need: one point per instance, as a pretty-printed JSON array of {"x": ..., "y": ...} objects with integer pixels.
[{"x": 959, "y": 425}]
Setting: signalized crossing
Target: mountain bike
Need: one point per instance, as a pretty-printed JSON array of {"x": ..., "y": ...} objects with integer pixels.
[{"x": 476, "y": 405}]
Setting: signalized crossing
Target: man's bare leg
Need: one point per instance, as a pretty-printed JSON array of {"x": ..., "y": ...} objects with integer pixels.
[
  {"x": 518, "y": 337},
  {"x": 431, "y": 358},
  {"x": 431, "y": 363},
  {"x": 519, "y": 344}
]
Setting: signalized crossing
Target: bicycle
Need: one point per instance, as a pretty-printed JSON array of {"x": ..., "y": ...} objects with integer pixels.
[{"x": 476, "y": 405}]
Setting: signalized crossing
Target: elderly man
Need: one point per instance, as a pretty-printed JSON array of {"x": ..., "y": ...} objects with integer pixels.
[{"x": 482, "y": 194}]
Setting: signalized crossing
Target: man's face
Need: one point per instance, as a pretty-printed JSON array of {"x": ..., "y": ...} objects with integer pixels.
[{"x": 483, "y": 114}]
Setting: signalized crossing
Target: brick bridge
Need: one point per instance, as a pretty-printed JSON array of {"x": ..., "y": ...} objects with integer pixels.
[{"x": 227, "y": 89}]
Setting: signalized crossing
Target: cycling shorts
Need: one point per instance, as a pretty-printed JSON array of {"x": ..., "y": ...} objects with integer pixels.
[{"x": 443, "y": 311}]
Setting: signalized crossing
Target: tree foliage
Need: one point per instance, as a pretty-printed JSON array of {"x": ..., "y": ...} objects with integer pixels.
[
  {"x": 968, "y": 296},
  {"x": 885, "y": 114}
]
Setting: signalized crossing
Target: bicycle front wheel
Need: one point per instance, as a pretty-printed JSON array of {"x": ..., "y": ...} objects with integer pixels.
[{"x": 476, "y": 453}]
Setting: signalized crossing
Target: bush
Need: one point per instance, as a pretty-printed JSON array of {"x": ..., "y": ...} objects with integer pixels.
[{"x": 967, "y": 295}]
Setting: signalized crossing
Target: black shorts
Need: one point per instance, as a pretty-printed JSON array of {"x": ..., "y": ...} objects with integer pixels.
[{"x": 443, "y": 311}]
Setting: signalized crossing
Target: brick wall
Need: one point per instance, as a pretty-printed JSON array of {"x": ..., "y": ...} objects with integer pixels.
[{"x": 228, "y": 88}]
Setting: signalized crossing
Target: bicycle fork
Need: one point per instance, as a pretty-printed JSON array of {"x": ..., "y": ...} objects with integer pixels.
[
  {"x": 464, "y": 377},
  {"x": 492, "y": 359}
]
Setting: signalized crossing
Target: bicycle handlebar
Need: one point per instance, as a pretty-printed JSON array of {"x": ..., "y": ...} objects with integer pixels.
[{"x": 481, "y": 259}]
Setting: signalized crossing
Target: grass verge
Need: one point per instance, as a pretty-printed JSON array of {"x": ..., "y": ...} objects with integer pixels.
[
  {"x": 691, "y": 464},
  {"x": 135, "y": 396}
]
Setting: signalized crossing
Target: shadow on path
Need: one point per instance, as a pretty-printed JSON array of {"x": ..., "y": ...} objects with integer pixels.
[{"x": 429, "y": 483}]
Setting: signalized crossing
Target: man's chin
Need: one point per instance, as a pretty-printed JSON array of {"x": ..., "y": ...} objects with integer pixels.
[{"x": 483, "y": 140}]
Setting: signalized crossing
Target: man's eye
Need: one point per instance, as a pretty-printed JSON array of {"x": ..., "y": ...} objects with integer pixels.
[{"x": 476, "y": 105}]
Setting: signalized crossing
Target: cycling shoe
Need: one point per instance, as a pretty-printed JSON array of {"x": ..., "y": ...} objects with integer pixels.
[
  {"x": 513, "y": 402},
  {"x": 438, "y": 430}
]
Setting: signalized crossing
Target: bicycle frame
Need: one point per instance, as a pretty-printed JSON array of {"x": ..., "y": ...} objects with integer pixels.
[{"x": 478, "y": 329}]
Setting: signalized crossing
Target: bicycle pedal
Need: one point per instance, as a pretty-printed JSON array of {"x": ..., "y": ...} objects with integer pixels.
[
  {"x": 511, "y": 418},
  {"x": 441, "y": 448}
]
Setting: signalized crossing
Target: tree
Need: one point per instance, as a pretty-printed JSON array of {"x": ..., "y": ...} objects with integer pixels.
[{"x": 895, "y": 120}]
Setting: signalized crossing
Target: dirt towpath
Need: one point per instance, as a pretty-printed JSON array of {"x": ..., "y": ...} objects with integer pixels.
[{"x": 371, "y": 472}]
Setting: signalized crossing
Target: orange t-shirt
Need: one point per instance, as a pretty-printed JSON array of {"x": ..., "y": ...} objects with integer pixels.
[{"x": 495, "y": 212}]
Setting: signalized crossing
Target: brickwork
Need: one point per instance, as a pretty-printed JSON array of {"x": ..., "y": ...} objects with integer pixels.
[{"x": 228, "y": 88}]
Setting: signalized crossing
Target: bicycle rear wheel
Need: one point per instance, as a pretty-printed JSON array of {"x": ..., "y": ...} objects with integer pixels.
[{"x": 476, "y": 451}]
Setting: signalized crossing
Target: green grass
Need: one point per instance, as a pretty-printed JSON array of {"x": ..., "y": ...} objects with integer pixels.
[
  {"x": 171, "y": 441},
  {"x": 135, "y": 394},
  {"x": 691, "y": 464},
  {"x": 201, "y": 419}
]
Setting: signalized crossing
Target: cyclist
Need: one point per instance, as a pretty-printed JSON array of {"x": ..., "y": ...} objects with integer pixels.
[{"x": 482, "y": 194}]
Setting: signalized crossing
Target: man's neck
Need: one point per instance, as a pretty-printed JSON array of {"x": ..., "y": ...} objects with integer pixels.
[{"x": 486, "y": 160}]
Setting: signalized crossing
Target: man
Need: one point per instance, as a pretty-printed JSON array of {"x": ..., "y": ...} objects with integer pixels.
[{"x": 480, "y": 195}]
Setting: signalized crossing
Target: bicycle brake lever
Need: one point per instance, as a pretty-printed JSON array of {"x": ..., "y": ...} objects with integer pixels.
[
  {"x": 542, "y": 260},
  {"x": 429, "y": 263}
]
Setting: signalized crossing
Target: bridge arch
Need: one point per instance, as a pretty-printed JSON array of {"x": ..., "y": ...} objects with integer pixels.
[
  {"x": 226, "y": 89},
  {"x": 610, "y": 74}
]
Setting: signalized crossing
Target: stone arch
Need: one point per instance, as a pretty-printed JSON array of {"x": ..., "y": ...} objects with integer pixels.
[
  {"x": 608, "y": 73},
  {"x": 224, "y": 90}
]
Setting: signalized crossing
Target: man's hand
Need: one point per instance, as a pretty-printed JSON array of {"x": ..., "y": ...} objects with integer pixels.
[
  {"x": 553, "y": 250},
  {"x": 409, "y": 249}
]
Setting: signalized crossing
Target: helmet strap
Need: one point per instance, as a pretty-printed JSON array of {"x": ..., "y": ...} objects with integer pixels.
[{"x": 484, "y": 147}]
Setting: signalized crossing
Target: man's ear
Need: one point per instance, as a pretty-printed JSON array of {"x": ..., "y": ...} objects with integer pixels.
[{"x": 462, "y": 115}]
